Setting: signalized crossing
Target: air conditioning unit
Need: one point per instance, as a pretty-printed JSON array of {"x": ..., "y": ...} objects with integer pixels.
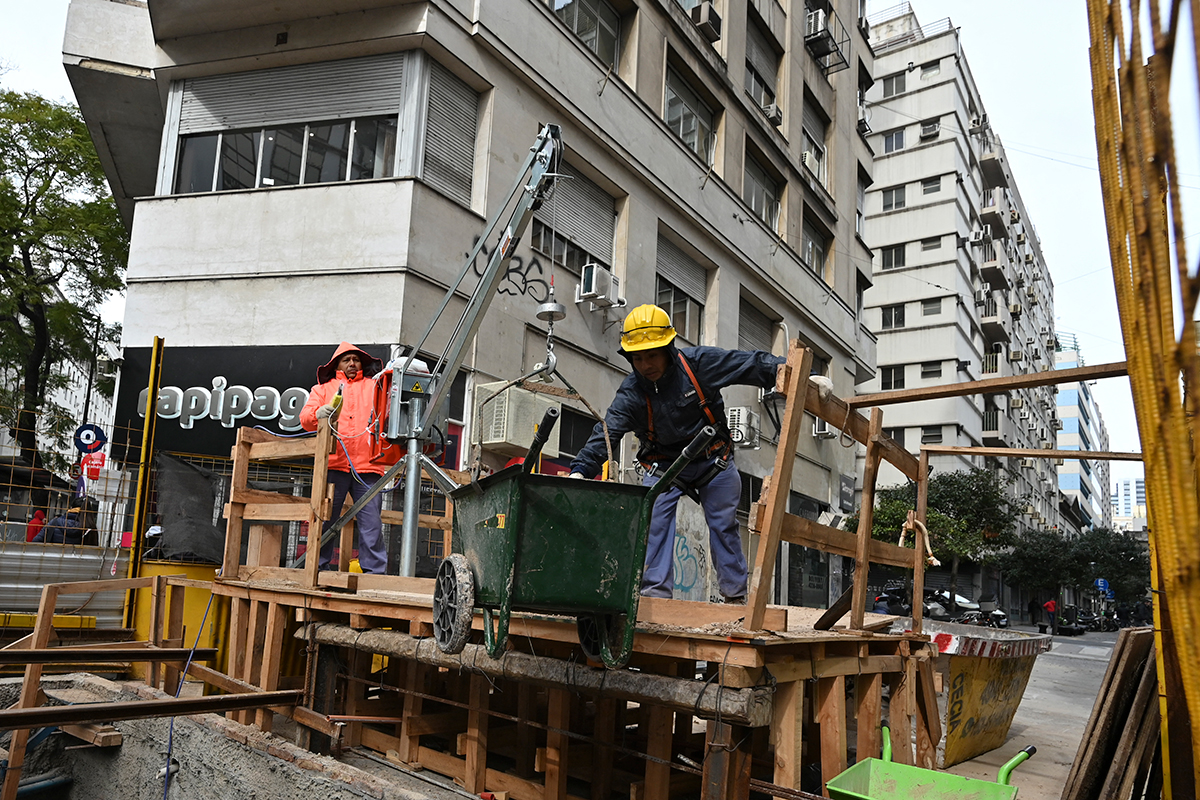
[
  {"x": 977, "y": 237},
  {"x": 1047, "y": 444},
  {"x": 1017, "y": 402},
  {"x": 1016, "y": 355},
  {"x": 707, "y": 20},
  {"x": 1027, "y": 463},
  {"x": 1031, "y": 292},
  {"x": 1020, "y": 238},
  {"x": 815, "y": 23},
  {"x": 1030, "y": 510},
  {"x": 744, "y": 426},
  {"x": 1035, "y": 353},
  {"x": 509, "y": 422},
  {"x": 1014, "y": 309},
  {"x": 1058, "y": 424},
  {"x": 1023, "y": 415},
  {"x": 1014, "y": 217},
  {"x": 821, "y": 430},
  {"x": 1030, "y": 340},
  {"x": 809, "y": 159},
  {"x": 980, "y": 297},
  {"x": 1051, "y": 343},
  {"x": 979, "y": 123},
  {"x": 1044, "y": 330},
  {"x": 864, "y": 119},
  {"x": 930, "y": 129},
  {"x": 1029, "y": 258},
  {"x": 774, "y": 114},
  {"x": 599, "y": 286}
]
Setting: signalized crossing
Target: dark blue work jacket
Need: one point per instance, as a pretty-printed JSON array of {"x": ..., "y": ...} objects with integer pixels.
[{"x": 675, "y": 404}]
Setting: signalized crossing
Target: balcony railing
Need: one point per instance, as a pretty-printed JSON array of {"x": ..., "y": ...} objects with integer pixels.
[
  {"x": 991, "y": 363},
  {"x": 826, "y": 39}
]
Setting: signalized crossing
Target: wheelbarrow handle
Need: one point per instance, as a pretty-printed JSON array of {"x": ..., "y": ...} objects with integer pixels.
[
  {"x": 695, "y": 449},
  {"x": 1013, "y": 763},
  {"x": 540, "y": 438}
]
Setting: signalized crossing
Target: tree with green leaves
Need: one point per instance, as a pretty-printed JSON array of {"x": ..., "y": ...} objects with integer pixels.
[
  {"x": 63, "y": 250},
  {"x": 970, "y": 516}
]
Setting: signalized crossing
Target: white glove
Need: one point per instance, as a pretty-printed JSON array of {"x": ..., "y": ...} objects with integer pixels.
[
  {"x": 326, "y": 410},
  {"x": 578, "y": 475}
]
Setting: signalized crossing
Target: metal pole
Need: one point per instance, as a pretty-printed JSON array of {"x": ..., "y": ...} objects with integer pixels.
[{"x": 412, "y": 497}]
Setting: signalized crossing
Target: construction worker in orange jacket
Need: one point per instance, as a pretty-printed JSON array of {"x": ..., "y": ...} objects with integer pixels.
[{"x": 345, "y": 394}]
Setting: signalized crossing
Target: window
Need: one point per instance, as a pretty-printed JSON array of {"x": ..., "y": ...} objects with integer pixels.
[
  {"x": 860, "y": 206},
  {"x": 892, "y": 257},
  {"x": 931, "y": 434},
  {"x": 891, "y": 377},
  {"x": 932, "y": 243},
  {"x": 893, "y": 198},
  {"x": 931, "y": 185},
  {"x": 574, "y": 429},
  {"x": 814, "y": 246},
  {"x": 761, "y": 193},
  {"x": 930, "y": 70},
  {"x": 893, "y": 85},
  {"x": 755, "y": 329},
  {"x": 930, "y": 308},
  {"x": 893, "y": 316},
  {"x": 690, "y": 117},
  {"x": 815, "y": 129},
  {"x": 931, "y": 369},
  {"x": 326, "y": 122},
  {"x": 576, "y": 225},
  {"x": 895, "y": 434},
  {"x": 893, "y": 141},
  {"x": 682, "y": 285},
  {"x": 595, "y": 22},
  {"x": 762, "y": 66}
]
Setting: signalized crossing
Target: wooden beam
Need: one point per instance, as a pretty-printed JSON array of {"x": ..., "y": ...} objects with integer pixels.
[
  {"x": 787, "y": 729},
  {"x": 46, "y": 716},
  {"x": 1117, "y": 369},
  {"x": 918, "y": 609},
  {"x": 868, "y": 701},
  {"x": 798, "y": 530},
  {"x": 1020, "y": 452},
  {"x": 100, "y": 735},
  {"x": 558, "y": 719},
  {"x": 831, "y": 716},
  {"x": 477, "y": 735},
  {"x": 107, "y": 655},
  {"x": 777, "y": 492},
  {"x": 842, "y": 417},
  {"x": 30, "y": 691},
  {"x": 866, "y": 521}
]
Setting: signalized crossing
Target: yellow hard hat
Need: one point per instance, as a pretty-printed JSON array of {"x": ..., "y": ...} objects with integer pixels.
[{"x": 646, "y": 327}]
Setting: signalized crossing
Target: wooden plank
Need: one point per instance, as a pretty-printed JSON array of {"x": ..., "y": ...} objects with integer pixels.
[
  {"x": 842, "y": 417},
  {"x": 718, "y": 741},
  {"x": 527, "y": 734},
  {"x": 24, "y": 718},
  {"x": 835, "y": 611},
  {"x": 322, "y": 503},
  {"x": 256, "y": 635},
  {"x": 866, "y": 521},
  {"x": 219, "y": 679},
  {"x": 345, "y": 547},
  {"x": 266, "y": 544},
  {"x": 604, "y": 732},
  {"x": 240, "y": 454},
  {"x": 410, "y": 738},
  {"x": 392, "y": 517},
  {"x": 929, "y": 721},
  {"x": 1142, "y": 719},
  {"x": 787, "y": 733},
  {"x": 693, "y": 614},
  {"x": 272, "y": 659},
  {"x": 269, "y": 498},
  {"x": 798, "y": 530},
  {"x": 1116, "y": 369},
  {"x": 1021, "y": 452},
  {"x": 659, "y": 722},
  {"x": 919, "y": 546},
  {"x": 558, "y": 719},
  {"x": 174, "y": 638},
  {"x": 107, "y": 655},
  {"x": 900, "y": 708},
  {"x": 475, "y": 779},
  {"x": 777, "y": 492},
  {"x": 30, "y": 690},
  {"x": 282, "y": 448},
  {"x": 275, "y": 512},
  {"x": 831, "y": 716},
  {"x": 113, "y": 585},
  {"x": 158, "y": 607},
  {"x": 100, "y": 735},
  {"x": 868, "y": 703}
]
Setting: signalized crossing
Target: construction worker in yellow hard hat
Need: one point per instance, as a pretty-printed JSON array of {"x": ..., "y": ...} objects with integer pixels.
[{"x": 672, "y": 394}]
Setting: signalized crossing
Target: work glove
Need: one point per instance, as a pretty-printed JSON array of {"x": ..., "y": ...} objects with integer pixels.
[
  {"x": 576, "y": 475},
  {"x": 326, "y": 410}
]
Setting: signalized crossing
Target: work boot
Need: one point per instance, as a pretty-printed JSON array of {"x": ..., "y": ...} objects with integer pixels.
[{"x": 740, "y": 600}]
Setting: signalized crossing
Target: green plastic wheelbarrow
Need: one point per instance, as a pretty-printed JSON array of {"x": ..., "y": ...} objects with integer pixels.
[
  {"x": 548, "y": 544},
  {"x": 883, "y": 779}
]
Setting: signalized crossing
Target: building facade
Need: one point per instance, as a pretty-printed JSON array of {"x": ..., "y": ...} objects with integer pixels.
[
  {"x": 1084, "y": 484},
  {"x": 1129, "y": 498},
  {"x": 297, "y": 175},
  {"x": 961, "y": 290}
]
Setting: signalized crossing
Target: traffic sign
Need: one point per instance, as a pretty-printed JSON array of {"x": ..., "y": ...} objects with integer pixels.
[
  {"x": 1102, "y": 584},
  {"x": 1109, "y": 594},
  {"x": 89, "y": 438}
]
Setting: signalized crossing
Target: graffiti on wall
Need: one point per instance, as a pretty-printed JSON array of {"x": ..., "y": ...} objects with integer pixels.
[{"x": 521, "y": 277}]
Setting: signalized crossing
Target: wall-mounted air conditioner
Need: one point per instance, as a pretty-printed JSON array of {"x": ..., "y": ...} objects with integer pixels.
[
  {"x": 821, "y": 430},
  {"x": 815, "y": 23},
  {"x": 1029, "y": 258},
  {"x": 929, "y": 130},
  {"x": 981, "y": 297},
  {"x": 1024, "y": 414},
  {"x": 706, "y": 18},
  {"x": 1058, "y": 424},
  {"x": 599, "y": 286},
  {"x": 1027, "y": 463},
  {"x": 809, "y": 159},
  {"x": 1016, "y": 355},
  {"x": 510, "y": 421},
  {"x": 743, "y": 426},
  {"x": 1017, "y": 402},
  {"x": 774, "y": 114},
  {"x": 1051, "y": 343}
]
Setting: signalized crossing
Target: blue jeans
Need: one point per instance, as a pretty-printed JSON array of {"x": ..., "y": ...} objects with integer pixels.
[
  {"x": 719, "y": 499},
  {"x": 372, "y": 549}
]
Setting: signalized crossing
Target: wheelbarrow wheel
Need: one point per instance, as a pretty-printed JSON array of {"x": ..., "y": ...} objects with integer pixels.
[
  {"x": 594, "y": 628},
  {"x": 453, "y": 604}
]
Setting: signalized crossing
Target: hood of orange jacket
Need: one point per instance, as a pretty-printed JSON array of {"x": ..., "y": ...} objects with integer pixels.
[{"x": 371, "y": 365}]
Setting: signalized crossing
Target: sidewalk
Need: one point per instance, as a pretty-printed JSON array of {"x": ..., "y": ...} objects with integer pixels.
[{"x": 1052, "y": 716}]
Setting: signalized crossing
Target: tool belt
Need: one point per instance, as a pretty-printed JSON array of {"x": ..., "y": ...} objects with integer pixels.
[{"x": 692, "y": 488}]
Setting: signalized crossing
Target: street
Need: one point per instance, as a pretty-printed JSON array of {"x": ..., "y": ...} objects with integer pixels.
[{"x": 1052, "y": 716}]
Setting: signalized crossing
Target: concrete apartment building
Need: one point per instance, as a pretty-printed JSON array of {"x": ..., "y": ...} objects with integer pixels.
[
  {"x": 1084, "y": 484},
  {"x": 961, "y": 290},
  {"x": 299, "y": 174}
]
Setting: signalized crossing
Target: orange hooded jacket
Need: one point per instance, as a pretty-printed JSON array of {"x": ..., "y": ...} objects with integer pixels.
[{"x": 359, "y": 424}]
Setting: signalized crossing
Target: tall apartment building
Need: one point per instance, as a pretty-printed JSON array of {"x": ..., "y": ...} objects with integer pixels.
[
  {"x": 961, "y": 291},
  {"x": 1084, "y": 483},
  {"x": 1129, "y": 498},
  {"x": 299, "y": 174}
]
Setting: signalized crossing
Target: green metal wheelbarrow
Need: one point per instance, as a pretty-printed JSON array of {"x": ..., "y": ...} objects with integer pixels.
[
  {"x": 882, "y": 779},
  {"x": 550, "y": 544}
]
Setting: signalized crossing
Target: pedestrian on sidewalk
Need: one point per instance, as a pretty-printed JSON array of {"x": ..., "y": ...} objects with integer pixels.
[
  {"x": 1034, "y": 608},
  {"x": 1051, "y": 608}
]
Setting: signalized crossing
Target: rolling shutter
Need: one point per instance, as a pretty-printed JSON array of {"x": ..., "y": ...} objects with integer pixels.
[
  {"x": 450, "y": 134},
  {"x": 683, "y": 271},
  {"x": 754, "y": 328},
  {"x": 583, "y": 212},
  {"x": 814, "y": 122},
  {"x": 762, "y": 56},
  {"x": 302, "y": 93}
]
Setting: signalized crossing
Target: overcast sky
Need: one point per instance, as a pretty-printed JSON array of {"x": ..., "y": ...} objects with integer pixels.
[{"x": 1030, "y": 62}]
